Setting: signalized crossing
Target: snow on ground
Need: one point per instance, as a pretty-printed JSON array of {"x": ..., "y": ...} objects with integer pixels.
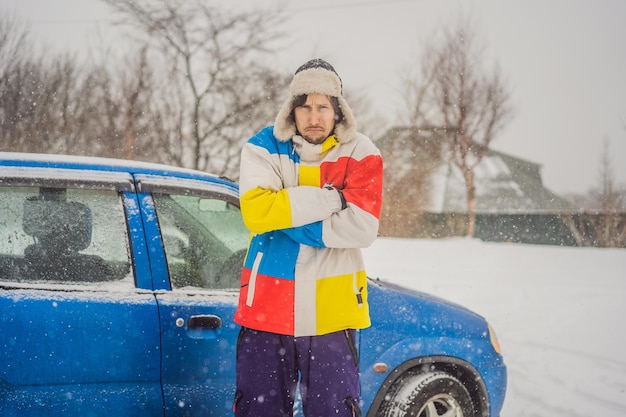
[{"x": 558, "y": 312}]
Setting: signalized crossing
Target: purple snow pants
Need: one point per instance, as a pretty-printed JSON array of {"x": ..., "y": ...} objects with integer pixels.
[{"x": 269, "y": 365}]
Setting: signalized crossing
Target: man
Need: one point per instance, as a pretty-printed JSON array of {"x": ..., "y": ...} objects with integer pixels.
[{"x": 311, "y": 190}]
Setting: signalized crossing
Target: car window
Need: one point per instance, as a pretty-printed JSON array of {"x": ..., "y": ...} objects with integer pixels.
[
  {"x": 63, "y": 235},
  {"x": 205, "y": 240}
]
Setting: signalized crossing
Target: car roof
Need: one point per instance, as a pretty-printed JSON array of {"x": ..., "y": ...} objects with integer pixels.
[{"x": 92, "y": 163}]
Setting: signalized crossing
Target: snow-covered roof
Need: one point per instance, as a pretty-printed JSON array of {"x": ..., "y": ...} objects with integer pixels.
[
  {"x": 499, "y": 189},
  {"x": 503, "y": 183}
]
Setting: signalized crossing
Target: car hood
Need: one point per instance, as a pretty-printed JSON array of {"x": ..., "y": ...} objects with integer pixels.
[
  {"x": 388, "y": 286},
  {"x": 399, "y": 310}
]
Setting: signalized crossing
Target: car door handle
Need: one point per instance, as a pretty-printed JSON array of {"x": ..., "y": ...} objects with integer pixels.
[
  {"x": 205, "y": 326},
  {"x": 204, "y": 322}
]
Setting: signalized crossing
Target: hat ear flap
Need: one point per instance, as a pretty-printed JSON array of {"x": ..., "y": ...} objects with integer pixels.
[
  {"x": 345, "y": 129},
  {"x": 284, "y": 125}
]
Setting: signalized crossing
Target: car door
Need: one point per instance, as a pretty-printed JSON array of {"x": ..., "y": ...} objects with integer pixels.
[
  {"x": 199, "y": 227},
  {"x": 79, "y": 327}
]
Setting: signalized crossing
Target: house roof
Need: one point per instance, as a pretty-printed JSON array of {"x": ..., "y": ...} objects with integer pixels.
[{"x": 503, "y": 183}]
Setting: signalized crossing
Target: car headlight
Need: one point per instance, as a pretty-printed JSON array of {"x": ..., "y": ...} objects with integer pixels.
[{"x": 494, "y": 339}]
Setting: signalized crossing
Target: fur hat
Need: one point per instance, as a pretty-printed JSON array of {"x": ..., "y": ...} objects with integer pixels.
[{"x": 315, "y": 76}]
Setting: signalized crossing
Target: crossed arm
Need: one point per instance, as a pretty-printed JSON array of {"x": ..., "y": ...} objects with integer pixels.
[{"x": 312, "y": 215}]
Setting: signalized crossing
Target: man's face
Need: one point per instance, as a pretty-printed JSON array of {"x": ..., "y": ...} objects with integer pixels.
[{"x": 315, "y": 119}]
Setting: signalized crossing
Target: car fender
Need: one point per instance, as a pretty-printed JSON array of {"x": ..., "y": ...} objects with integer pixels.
[{"x": 423, "y": 352}]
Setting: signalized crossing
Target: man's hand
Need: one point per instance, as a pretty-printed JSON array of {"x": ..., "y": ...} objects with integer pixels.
[{"x": 344, "y": 203}]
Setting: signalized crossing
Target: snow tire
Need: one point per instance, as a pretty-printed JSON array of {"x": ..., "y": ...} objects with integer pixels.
[{"x": 431, "y": 394}]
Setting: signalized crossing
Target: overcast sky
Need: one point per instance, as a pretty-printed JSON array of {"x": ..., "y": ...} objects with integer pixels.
[{"x": 564, "y": 61}]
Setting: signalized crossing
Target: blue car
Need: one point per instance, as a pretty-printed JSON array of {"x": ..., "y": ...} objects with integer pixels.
[{"x": 118, "y": 285}]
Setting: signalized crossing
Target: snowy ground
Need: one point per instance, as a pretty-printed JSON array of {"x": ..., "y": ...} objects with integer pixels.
[{"x": 559, "y": 314}]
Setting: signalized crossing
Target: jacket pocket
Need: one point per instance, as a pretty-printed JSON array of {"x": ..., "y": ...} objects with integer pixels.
[
  {"x": 353, "y": 406},
  {"x": 237, "y": 400},
  {"x": 253, "y": 276}
]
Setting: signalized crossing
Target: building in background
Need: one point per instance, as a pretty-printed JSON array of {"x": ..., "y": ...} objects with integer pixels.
[{"x": 425, "y": 195}]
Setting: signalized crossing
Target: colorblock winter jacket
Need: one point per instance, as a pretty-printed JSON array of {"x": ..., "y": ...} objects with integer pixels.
[{"x": 304, "y": 273}]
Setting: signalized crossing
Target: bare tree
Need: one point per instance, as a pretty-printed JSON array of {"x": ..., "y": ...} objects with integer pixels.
[
  {"x": 33, "y": 105},
  {"x": 611, "y": 204},
  {"x": 212, "y": 84},
  {"x": 370, "y": 120},
  {"x": 14, "y": 43},
  {"x": 43, "y": 105},
  {"x": 602, "y": 220},
  {"x": 54, "y": 104},
  {"x": 14, "y": 61},
  {"x": 465, "y": 104},
  {"x": 411, "y": 157}
]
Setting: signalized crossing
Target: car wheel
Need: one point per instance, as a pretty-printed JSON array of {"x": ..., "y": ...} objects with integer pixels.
[{"x": 428, "y": 394}]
